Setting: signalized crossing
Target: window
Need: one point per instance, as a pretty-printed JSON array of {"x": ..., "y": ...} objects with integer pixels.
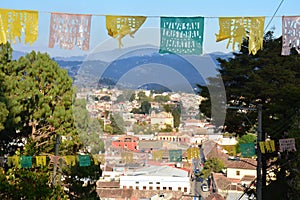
[
  {"x": 137, "y": 182},
  {"x": 179, "y": 188},
  {"x": 150, "y": 182},
  {"x": 157, "y": 183},
  {"x": 158, "y": 188},
  {"x": 237, "y": 173},
  {"x": 137, "y": 187},
  {"x": 170, "y": 188},
  {"x": 150, "y": 188},
  {"x": 130, "y": 187},
  {"x": 185, "y": 189},
  {"x": 144, "y": 187},
  {"x": 164, "y": 188}
]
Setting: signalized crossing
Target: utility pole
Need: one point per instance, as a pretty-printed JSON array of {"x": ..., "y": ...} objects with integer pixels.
[
  {"x": 259, "y": 184},
  {"x": 55, "y": 163},
  {"x": 261, "y": 167}
]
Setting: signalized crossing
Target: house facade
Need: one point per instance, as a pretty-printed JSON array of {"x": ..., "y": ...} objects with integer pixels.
[
  {"x": 161, "y": 178},
  {"x": 162, "y": 119},
  {"x": 126, "y": 142},
  {"x": 238, "y": 169}
]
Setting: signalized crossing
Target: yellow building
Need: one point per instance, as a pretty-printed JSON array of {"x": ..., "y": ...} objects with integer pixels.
[{"x": 162, "y": 119}]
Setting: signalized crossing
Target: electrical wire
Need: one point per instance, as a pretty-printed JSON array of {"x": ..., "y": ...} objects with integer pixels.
[{"x": 274, "y": 15}]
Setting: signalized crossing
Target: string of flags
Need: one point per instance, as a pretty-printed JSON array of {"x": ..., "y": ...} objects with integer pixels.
[
  {"x": 70, "y": 160},
  {"x": 267, "y": 146},
  {"x": 287, "y": 144},
  {"x": 180, "y": 35},
  {"x": 175, "y": 155}
]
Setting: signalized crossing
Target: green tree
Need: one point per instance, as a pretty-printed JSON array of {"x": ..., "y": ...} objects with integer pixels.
[
  {"x": 105, "y": 98},
  {"x": 89, "y": 129},
  {"x": 168, "y": 128},
  {"x": 272, "y": 80},
  {"x": 38, "y": 96},
  {"x": 144, "y": 128},
  {"x": 176, "y": 113},
  {"x": 145, "y": 107},
  {"x": 117, "y": 124},
  {"x": 248, "y": 138},
  {"x": 162, "y": 98},
  {"x": 136, "y": 111},
  {"x": 143, "y": 97},
  {"x": 212, "y": 165}
]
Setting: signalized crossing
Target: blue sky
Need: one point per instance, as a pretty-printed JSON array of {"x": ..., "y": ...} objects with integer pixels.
[{"x": 210, "y": 9}]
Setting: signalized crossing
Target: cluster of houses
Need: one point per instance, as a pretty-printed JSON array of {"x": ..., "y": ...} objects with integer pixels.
[
  {"x": 132, "y": 170},
  {"x": 140, "y": 166}
]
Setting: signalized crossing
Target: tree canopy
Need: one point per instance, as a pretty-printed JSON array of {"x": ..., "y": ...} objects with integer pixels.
[
  {"x": 36, "y": 105},
  {"x": 269, "y": 79}
]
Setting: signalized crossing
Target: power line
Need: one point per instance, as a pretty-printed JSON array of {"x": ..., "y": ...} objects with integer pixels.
[
  {"x": 273, "y": 15},
  {"x": 150, "y": 16}
]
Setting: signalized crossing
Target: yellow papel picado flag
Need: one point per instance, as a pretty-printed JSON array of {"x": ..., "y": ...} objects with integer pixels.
[
  {"x": 15, "y": 22},
  {"x": 236, "y": 29},
  {"x": 120, "y": 26}
]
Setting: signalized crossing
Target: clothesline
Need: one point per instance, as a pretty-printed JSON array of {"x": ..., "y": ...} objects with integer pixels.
[
  {"x": 148, "y": 16},
  {"x": 179, "y": 35}
]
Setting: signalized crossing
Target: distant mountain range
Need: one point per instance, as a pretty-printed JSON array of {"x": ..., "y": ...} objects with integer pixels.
[{"x": 141, "y": 67}]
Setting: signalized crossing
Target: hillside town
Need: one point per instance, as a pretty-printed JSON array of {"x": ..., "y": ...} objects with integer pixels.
[{"x": 164, "y": 158}]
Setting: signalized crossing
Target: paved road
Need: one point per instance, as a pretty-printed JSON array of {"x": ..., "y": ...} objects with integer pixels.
[{"x": 197, "y": 191}]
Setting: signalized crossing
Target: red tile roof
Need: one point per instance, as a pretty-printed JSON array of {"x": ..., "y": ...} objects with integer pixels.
[
  {"x": 114, "y": 193},
  {"x": 224, "y": 183},
  {"x": 243, "y": 163}
]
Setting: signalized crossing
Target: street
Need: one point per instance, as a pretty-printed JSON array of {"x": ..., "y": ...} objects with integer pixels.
[{"x": 197, "y": 191}]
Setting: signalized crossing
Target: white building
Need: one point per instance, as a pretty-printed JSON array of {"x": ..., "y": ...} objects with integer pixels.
[
  {"x": 157, "y": 178},
  {"x": 240, "y": 168}
]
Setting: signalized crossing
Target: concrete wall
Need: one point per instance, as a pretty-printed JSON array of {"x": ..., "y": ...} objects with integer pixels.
[
  {"x": 156, "y": 183},
  {"x": 232, "y": 173}
]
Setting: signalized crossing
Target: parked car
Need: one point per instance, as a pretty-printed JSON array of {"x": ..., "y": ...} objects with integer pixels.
[
  {"x": 199, "y": 179},
  {"x": 204, "y": 187},
  {"x": 197, "y": 172}
]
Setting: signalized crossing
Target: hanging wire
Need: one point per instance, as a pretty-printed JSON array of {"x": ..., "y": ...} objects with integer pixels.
[
  {"x": 148, "y": 16},
  {"x": 274, "y": 15}
]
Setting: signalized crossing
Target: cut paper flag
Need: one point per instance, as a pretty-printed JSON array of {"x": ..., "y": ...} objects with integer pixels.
[
  {"x": 26, "y": 161},
  {"x": 99, "y": 159},
  {"x": 13, "y": 161},
  {"x": 69, "y": 30},
  {"x": 158, "y": 154},
  {"x": 193, "y": 153},
  {"x": 247, "y": 149},
  {"x": 175, "y": 155},
  {"x": 15, "y": 22},
  {"x": 70, "y": 160},
  {"x": 290, "y": 34},
  {"x": 120, "y": 26},
  {"x": 267, "y": 146},
  {"x": 262, "y": 147},
  {"x": 54, "y": 159},
  {"x": 84, "y": 160},
  {"x": 181, "y": 35},
  {"x": 127, "y": 157},
  {"x": 236, "y": 29},
  {"x": 40, "y": 160},
  {"x": 270, "y": 145},
  {"x": 287, "y": 144}
]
